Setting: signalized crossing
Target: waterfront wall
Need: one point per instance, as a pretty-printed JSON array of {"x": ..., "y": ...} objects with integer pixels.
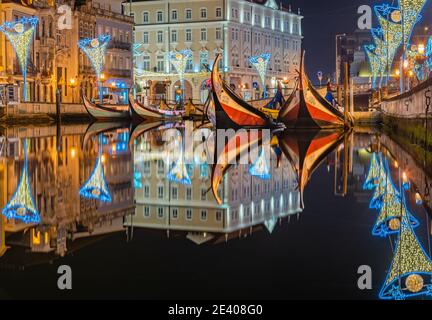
[
  {"x": 410, "y": 105},
  {"x": 42, "y": 110}
]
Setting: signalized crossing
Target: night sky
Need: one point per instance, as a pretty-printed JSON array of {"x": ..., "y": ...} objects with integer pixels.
[{"x": 323, "y": 20}]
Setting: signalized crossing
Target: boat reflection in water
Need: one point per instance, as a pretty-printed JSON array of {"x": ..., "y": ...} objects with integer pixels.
[
  {"x": 57, "y": 167},
  {"x": 183, "y": 180}
]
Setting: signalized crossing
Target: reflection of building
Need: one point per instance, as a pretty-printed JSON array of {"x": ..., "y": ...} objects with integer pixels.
[
  {"x": 55, "y": 58},
  {"x": 248, "y": 201},
  {"x": 56, "y": 177},
  {"x": 237, "y": 28}
]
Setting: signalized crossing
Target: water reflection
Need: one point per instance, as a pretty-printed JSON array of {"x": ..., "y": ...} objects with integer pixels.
[{"x": 85, "y": 181}]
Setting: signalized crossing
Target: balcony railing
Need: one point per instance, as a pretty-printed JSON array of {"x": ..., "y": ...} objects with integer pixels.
[
  {"x": 120, "y": 45},
  {"x": 120, "y": 73}
]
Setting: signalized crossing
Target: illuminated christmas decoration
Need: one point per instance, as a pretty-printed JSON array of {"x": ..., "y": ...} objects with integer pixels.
[
  {"x": 179, "y": 172},
  {"x": 374, "y": 173},
  {"x": 95, "y": 49},
  {"x": 179, "y": 60},
  {"x": 20, "y": 34},
  {"x": 395, "y": 27},
  {"x": 260, "y": 168},
  {"x": 393, "y": 211},
  {"x": 22, "y": 205},
  {"x": 410, "y": 272},
  {"x": 137, "y": 180},
  {"x": 261, "y": 64},
  {"x": 385, "y": 185},
  {"x": 96, "y": 186},
  {"x": 270, "y": 224}
]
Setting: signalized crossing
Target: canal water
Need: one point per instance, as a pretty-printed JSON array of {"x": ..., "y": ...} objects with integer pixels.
[{"x": 137, "y": 215}]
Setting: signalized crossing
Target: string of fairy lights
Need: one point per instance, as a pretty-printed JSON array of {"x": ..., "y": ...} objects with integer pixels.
[
  {"x": 396, "y": 25},
  {"x": 410, "y": 272}
]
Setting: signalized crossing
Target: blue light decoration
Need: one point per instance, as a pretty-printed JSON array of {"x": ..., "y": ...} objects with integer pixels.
[
  {"x": 96, "y": 186},
  {"x": 392, "y": 213},
  {"x": 261, "y": 64},
  {"x": 179, "y": 172},
  {"x": 22, "y": 205},
  {"x": 385, "y": 186},
  {"x": 270, "y": 224},
  {"x": 20, "y": 34},
  {"x": 179, "y": 60},
  {"x": 260, "y": 168},
  {"x": 410, "y": 272},
  {"x": 373, "y": 173},
  {"x": 95, "y": 49},
  {"x": 395, "y": 27},
  {"x": 137, "y": 179}
]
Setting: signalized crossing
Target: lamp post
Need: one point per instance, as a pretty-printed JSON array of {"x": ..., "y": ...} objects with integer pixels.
[
  {"x": 73, "y": 84},
  {"x": 338, "y": 36}
]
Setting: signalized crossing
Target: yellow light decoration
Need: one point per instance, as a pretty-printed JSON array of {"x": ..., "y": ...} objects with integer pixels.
[{"x": 410, "y": 263}]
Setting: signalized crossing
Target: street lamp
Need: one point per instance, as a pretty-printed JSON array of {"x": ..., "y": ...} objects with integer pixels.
[{"x": 73, "y": 84}]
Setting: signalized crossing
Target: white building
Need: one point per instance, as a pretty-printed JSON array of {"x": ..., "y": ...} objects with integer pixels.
[{"x": 237, "y": 28}]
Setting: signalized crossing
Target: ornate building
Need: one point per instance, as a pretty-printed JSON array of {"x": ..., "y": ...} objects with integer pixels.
[{"x": 237, "y": 28}]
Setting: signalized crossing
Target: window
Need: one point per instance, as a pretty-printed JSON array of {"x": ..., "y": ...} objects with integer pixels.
[
  {"x": 203, "y": 34},
  {"x": 189, "y": 214},
  {"x": 189, "y": 65},
  {"x": 218, "y": 33},
  {"x": 174, "y": 36},
  {"x": 188, "y": 14},
  {"x": 267, "y": 22},
  {"x": 159, "y": 16},
  {"x": 146, "y": 192},
  {"x": 160, "y": 212},
  {"x": 145, "y": 37},
  {"x": 203, "y": 194},
  {"x": 218, "y": 216},
  {"x": 188, "y": 35},
  {"x": 218, "y": 12},
  {"x": 277, "y": 24},
  {"x": 296, "y": 28},
  {"x": 203, "y": 215},
  {"x": 174, "y": 213},
  {"x": 174, "y": 193},
  {"x": 160, "y": 192},
  {"x": 160, "y": 67},
  {"x": 146, "y": 212},
  {"x": 145, "y": 17},
  {"x": 160, "y": 37},
  {"x": 161, "y": 166},
  {"x": 203, "y": 60},
  {"x": 147, "y": 167},
  {"x": 174, "y": 15},
  {"x": 257, "y": 19},
  {"x": 189, "y": 194},
  {"x": 203, "y": 12},
  {"x": 246, "y": 16},
  {"x": 146, "y": 63}
]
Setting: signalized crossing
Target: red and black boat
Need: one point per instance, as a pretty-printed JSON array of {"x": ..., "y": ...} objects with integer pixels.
[
  {"x": 230, "y": 110},
  {"x": 307, "y": 109}
]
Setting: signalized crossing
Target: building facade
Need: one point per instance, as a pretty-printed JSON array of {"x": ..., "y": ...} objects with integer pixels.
[
  {"x": 238, "y": 29},
  {"x": 55, "y": 61}
]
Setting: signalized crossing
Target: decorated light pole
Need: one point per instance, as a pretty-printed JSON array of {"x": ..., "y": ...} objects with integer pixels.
[
  {"x": 95, "y": 49},
  {"x": 261, "y": 64},
  {"x": 179, "y": 61},
  {"x": 20, "y": 34}
]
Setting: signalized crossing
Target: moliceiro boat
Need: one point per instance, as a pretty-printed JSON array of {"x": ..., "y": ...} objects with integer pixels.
[
  {"x": 306, "y": 108},
  {"x": 231, "y": 111},
  {"x": 99, "y": 112},
  {"x": 163, "y": 111}
]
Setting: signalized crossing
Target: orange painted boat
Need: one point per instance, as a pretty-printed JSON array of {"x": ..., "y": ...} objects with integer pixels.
[{"x": 307, "y": 109}]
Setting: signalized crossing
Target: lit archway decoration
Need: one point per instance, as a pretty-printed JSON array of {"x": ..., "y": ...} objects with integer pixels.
[
  {"x": 20, "y": 34},
  {"x": 373, "y": 173},
  {"x": 22, "y": 205},
  {"x": 261, "y": 64},
  {"x": 385, "y": 185},
  {"x": 95, "y": 49}
]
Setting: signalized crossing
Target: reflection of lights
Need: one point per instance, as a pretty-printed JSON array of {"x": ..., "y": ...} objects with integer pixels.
[
  {"x": 418, "y": 199},
  {"x": 73, "y": 153},
  {"x": 103, "y": 158}
]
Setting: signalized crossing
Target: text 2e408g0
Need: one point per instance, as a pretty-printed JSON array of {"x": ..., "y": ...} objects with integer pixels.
[{"x": 237, "y": 309}]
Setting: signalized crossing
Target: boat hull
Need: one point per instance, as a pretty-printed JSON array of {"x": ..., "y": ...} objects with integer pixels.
[{"x": 99, "y": 112}]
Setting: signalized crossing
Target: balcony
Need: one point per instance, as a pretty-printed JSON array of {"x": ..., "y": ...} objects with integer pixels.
[
  {"x": 123, "y": 73},
  {"x": 120, "y": 45},
  {"x": 86, "y": 69}
]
